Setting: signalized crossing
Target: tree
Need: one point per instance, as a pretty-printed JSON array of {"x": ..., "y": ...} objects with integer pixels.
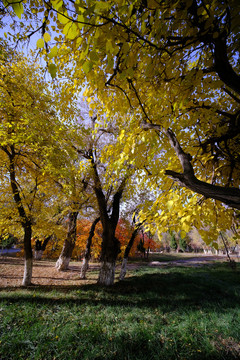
[
  {"x": 127, "y": 251},
  {"x": 204, "y": 32},
  {"x": 173, "y": 68},
  {"x": 87, "y": 253},
  {"x": 173, "y": 242},
  {"x": 110, "y": 244},
  {"x": 27, "y": 119}
]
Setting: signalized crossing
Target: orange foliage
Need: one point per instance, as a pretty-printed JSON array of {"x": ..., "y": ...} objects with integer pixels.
[
  {"x": 83, "y": 228},
  {"x": 123, "y": 233}
]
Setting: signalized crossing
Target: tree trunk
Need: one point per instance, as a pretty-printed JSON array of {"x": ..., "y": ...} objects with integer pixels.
[
  {"x": 38, "y": 254},
  {"x": 107, "y": 273},
  {"x": 110, "y": 245},
  {"x": 123, "y": 269},
  {"x": 69, "y": 243},
  {"x": 65, "y": 256},
  {"x": 27, "y": 277},
  {"x": 87, "y": 253},
  {"x": 25, "y": 220},
  {"x": 110, "y": 251},
  {"x": 126, "y": 253},
  {"x": 84, "y": 268},
  {"x": 40, "y": 247}
]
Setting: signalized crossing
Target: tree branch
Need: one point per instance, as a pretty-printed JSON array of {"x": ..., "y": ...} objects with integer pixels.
[{"x": 229, "y": 196}]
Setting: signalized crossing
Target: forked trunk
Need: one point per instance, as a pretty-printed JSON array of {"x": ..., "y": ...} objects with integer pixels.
[
  {"x": 110, "y": 245},
  {"x": 69, "y": 243},
  {"x": 40, "y": 246}
]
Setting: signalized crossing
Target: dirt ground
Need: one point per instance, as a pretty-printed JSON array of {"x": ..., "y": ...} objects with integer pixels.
[{"x": 45, "y": 273}]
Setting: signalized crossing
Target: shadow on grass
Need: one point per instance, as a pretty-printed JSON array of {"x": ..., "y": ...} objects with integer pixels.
[{"x": 179, "y": 288}]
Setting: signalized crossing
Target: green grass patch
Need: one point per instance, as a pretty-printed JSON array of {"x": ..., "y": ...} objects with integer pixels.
[{"x": 169, "y": 313}]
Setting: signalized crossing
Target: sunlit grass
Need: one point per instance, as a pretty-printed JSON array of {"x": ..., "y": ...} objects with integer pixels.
[{"x": 177, "y": 313}]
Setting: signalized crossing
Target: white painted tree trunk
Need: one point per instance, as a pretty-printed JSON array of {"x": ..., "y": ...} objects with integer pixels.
[
  {"x": 107, "y": 273},
  {"x": 62, "y": 263},
  {"x": 27, "y": 277},
  {"x": 84, "y": 269},
  {"x": 38, "y": 254},
  {"x": 123, "y": 269}
]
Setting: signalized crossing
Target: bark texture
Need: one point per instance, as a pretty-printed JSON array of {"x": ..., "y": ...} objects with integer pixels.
[
  {"x": 123, "y": 269},
  {"x": 28, "y": 257},
  {"x": 69, "y": 243},
  {"x": 223, "y": 66},
  {"x": 107, "y": 273},
  {"x": 27, "y": 277},
  {"x": 87, "y": 254},
  {"x": 84, "y": 268},
  {"x": 63, "y": 263}
]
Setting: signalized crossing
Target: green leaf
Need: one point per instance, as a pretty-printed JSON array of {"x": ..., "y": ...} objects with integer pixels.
[
  {"x": 18, "y": 9},
  {"x": 52, "y": 70},
  {"x": 87, "y": 66},
  {"x": 40, "y": 43}
]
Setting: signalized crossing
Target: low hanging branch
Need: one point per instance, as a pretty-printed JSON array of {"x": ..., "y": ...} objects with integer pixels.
[{"x": 227, "y": 195}]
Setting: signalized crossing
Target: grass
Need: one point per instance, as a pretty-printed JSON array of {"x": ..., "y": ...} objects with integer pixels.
[{"x": 156, "y": 313}]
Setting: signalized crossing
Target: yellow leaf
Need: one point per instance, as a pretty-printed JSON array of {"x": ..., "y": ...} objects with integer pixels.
[
  {"x": 40, "y": 43},
  {"x": 53, "y": 52},
  {"x": 71, "y": 30},
  {"x": 170, "y": 204},
  {"x": 63, "y": 18},
  {"x": 185, "y": 227},
  {"x": 47, "y": 37}
]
